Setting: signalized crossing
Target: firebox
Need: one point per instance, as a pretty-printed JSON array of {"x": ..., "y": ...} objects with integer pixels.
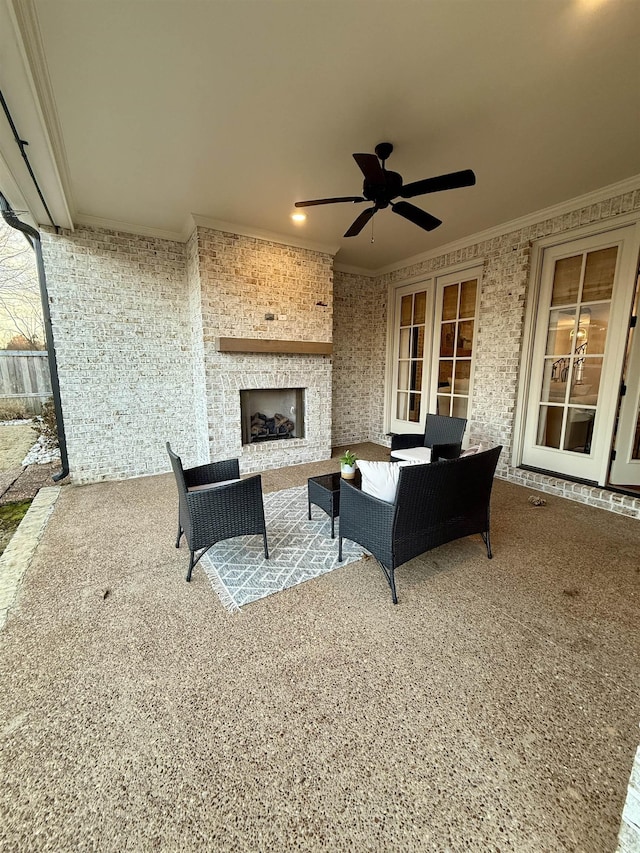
[{"x": 271, "y": 414}]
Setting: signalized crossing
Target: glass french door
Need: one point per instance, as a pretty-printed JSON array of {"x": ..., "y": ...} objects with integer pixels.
[
  {"x": 585, "y": 296},
  {"x": 432, "y": 350},
  {"x": 411, "y": 349},
  {"x": 456, "y": 311}
]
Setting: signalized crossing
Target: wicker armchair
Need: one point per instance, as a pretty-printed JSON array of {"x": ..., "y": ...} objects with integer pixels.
[
  {"x": 442, "y": 434},
  {"x": 434, "y": 504},
  {"x": 214, "y": 504}
]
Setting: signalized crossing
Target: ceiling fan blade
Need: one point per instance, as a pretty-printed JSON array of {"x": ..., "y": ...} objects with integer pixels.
[
  {"x": 452, "y": 181},
  {"x": 370, "y": 167},
  {"x": 414, "y": 214},
  {"x": 353, "y": 198},
  {"x": 360, "y": 222}
]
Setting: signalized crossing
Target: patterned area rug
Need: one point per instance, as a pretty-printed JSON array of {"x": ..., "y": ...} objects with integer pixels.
[{"x": 299, "y": 550}]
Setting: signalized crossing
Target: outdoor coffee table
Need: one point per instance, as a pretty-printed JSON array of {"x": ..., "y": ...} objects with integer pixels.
[{"x": 324, "y": 491}]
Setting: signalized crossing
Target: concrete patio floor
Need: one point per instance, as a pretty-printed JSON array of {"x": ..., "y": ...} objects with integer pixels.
[{"x": 495, "y": 708}]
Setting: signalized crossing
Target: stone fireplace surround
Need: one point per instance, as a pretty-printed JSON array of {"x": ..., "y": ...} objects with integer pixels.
[
  {"x": 313, "y": 373},
  {"x": 243, "y": 289}
]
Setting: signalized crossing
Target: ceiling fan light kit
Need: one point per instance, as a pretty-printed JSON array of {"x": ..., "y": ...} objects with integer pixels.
[{"x": 382, "y": 186}]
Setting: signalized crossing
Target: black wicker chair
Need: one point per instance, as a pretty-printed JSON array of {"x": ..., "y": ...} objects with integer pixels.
[
  {"x": 440, "y": 430},
  {"x": 435, "y": 503},
  {"x": 209, "y": 513}
]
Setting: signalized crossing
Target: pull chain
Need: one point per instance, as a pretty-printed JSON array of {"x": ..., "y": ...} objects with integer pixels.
[{"x": 372, "y": 218}]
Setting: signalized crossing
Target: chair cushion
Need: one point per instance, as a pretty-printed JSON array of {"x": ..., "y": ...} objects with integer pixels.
[
  {"x": 470, "y": 451},
  {"x": 211, "y": 485},
  {"x": 417, "y": 455},
  {"x": 380, "y": 479}
]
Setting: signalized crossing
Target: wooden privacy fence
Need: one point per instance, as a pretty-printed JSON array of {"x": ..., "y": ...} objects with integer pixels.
[{"x": 25, "y": 382}]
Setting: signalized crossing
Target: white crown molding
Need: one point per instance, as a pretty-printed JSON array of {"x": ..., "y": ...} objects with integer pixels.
[
  {"x": 258, "y": 234},
  {"x": 29, "y": 41},
  {"x": 355, "y": 270},
  {"x": 130, "y": 228},
  {"x": 628, "y": 185}
]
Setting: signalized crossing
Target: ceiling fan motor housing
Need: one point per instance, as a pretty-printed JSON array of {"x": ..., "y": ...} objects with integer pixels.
[
  {"x": 383, "y": 150},
  {"x": 381, "y": 193}
]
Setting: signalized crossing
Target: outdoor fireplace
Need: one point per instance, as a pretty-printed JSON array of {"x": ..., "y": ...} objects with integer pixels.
[{"x": 269, "y": 414}]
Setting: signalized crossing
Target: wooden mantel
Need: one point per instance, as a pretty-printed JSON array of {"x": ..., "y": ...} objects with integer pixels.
[{"x": 264, "y": 345}]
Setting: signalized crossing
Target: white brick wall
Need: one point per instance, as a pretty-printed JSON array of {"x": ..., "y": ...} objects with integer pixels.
[
  {"x": 121, "y": 323},
  {"x": 359, "y": 342},
  {"x": 242, "y": 279}
]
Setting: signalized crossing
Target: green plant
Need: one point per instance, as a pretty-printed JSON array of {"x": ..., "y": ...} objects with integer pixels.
[
  {"x": 10, "y": 517},
  {"x": 46, "y": 425},
  {"x": 348, "y": 458}
]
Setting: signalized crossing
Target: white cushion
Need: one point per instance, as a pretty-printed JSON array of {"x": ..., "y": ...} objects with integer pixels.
[
  {"x": 417, "y": 455},
  {"x": 470, "y": 451},
  {"x": 211, "y": 485},
  {"x": 380, "y": 479}
]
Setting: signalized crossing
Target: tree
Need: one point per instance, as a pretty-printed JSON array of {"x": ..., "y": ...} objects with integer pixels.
[{"x": 21, "y": 324}]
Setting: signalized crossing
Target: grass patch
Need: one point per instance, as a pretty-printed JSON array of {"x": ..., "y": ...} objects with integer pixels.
[{"x": 10, "y": 517}]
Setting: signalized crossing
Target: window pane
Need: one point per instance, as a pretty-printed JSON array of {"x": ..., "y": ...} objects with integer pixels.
[
  {"x": 598, "y": 274},
  {"x": 585, "y": 381},
  {"x": 579, "y": 430},
  {"x": 445, "y": 372},
  {"x": 405, "y": 311},
  {"x": 554, "y": 380},
  {"x": 418, "y": 342},
  {"x": 420, "y": 307},
  {"x": 403, "y": 375},
  {"x": 468, "y": 298},
  {"x": 461, "y": 380},
  {"x": 560, "y": 334},
  {"x": 566, "y": 280},
  {"x": 402, "y": 406},
  {"x": 592, "y": 330},
  {"x": 549, "y": 426},
  {"x": 447, "y": 338},
  {"x": 405, "y": 342},
  {"x": 416, "y": 376},
  {"x": 561, "y": 329},
  {"x": 414, "y": 407},
  {"x": 450, "y": 302},
  {"x": 459, "y": 407},
  {"x": 443, "y": 405},
  {"x": 465, "y": 338}
]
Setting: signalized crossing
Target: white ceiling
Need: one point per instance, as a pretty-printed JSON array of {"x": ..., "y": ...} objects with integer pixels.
[{"x": 235, "y": 109}]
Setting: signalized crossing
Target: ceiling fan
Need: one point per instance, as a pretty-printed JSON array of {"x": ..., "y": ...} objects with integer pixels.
[{"x": 381, "y": 187}]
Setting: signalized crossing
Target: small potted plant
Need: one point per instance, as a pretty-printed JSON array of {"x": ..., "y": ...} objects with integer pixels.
[{"x": 348, "y": 465}]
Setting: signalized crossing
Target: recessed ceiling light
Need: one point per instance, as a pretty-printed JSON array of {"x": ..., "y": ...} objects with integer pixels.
[{"x": 298, "y": 217}]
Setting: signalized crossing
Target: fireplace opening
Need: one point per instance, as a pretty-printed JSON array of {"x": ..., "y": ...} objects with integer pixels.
[{"x": 271, "y": 414}]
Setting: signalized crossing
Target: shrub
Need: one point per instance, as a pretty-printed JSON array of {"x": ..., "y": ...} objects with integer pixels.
[
  {"x": 12, "y": 410},
  {"x": 46, "y": 425}
]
